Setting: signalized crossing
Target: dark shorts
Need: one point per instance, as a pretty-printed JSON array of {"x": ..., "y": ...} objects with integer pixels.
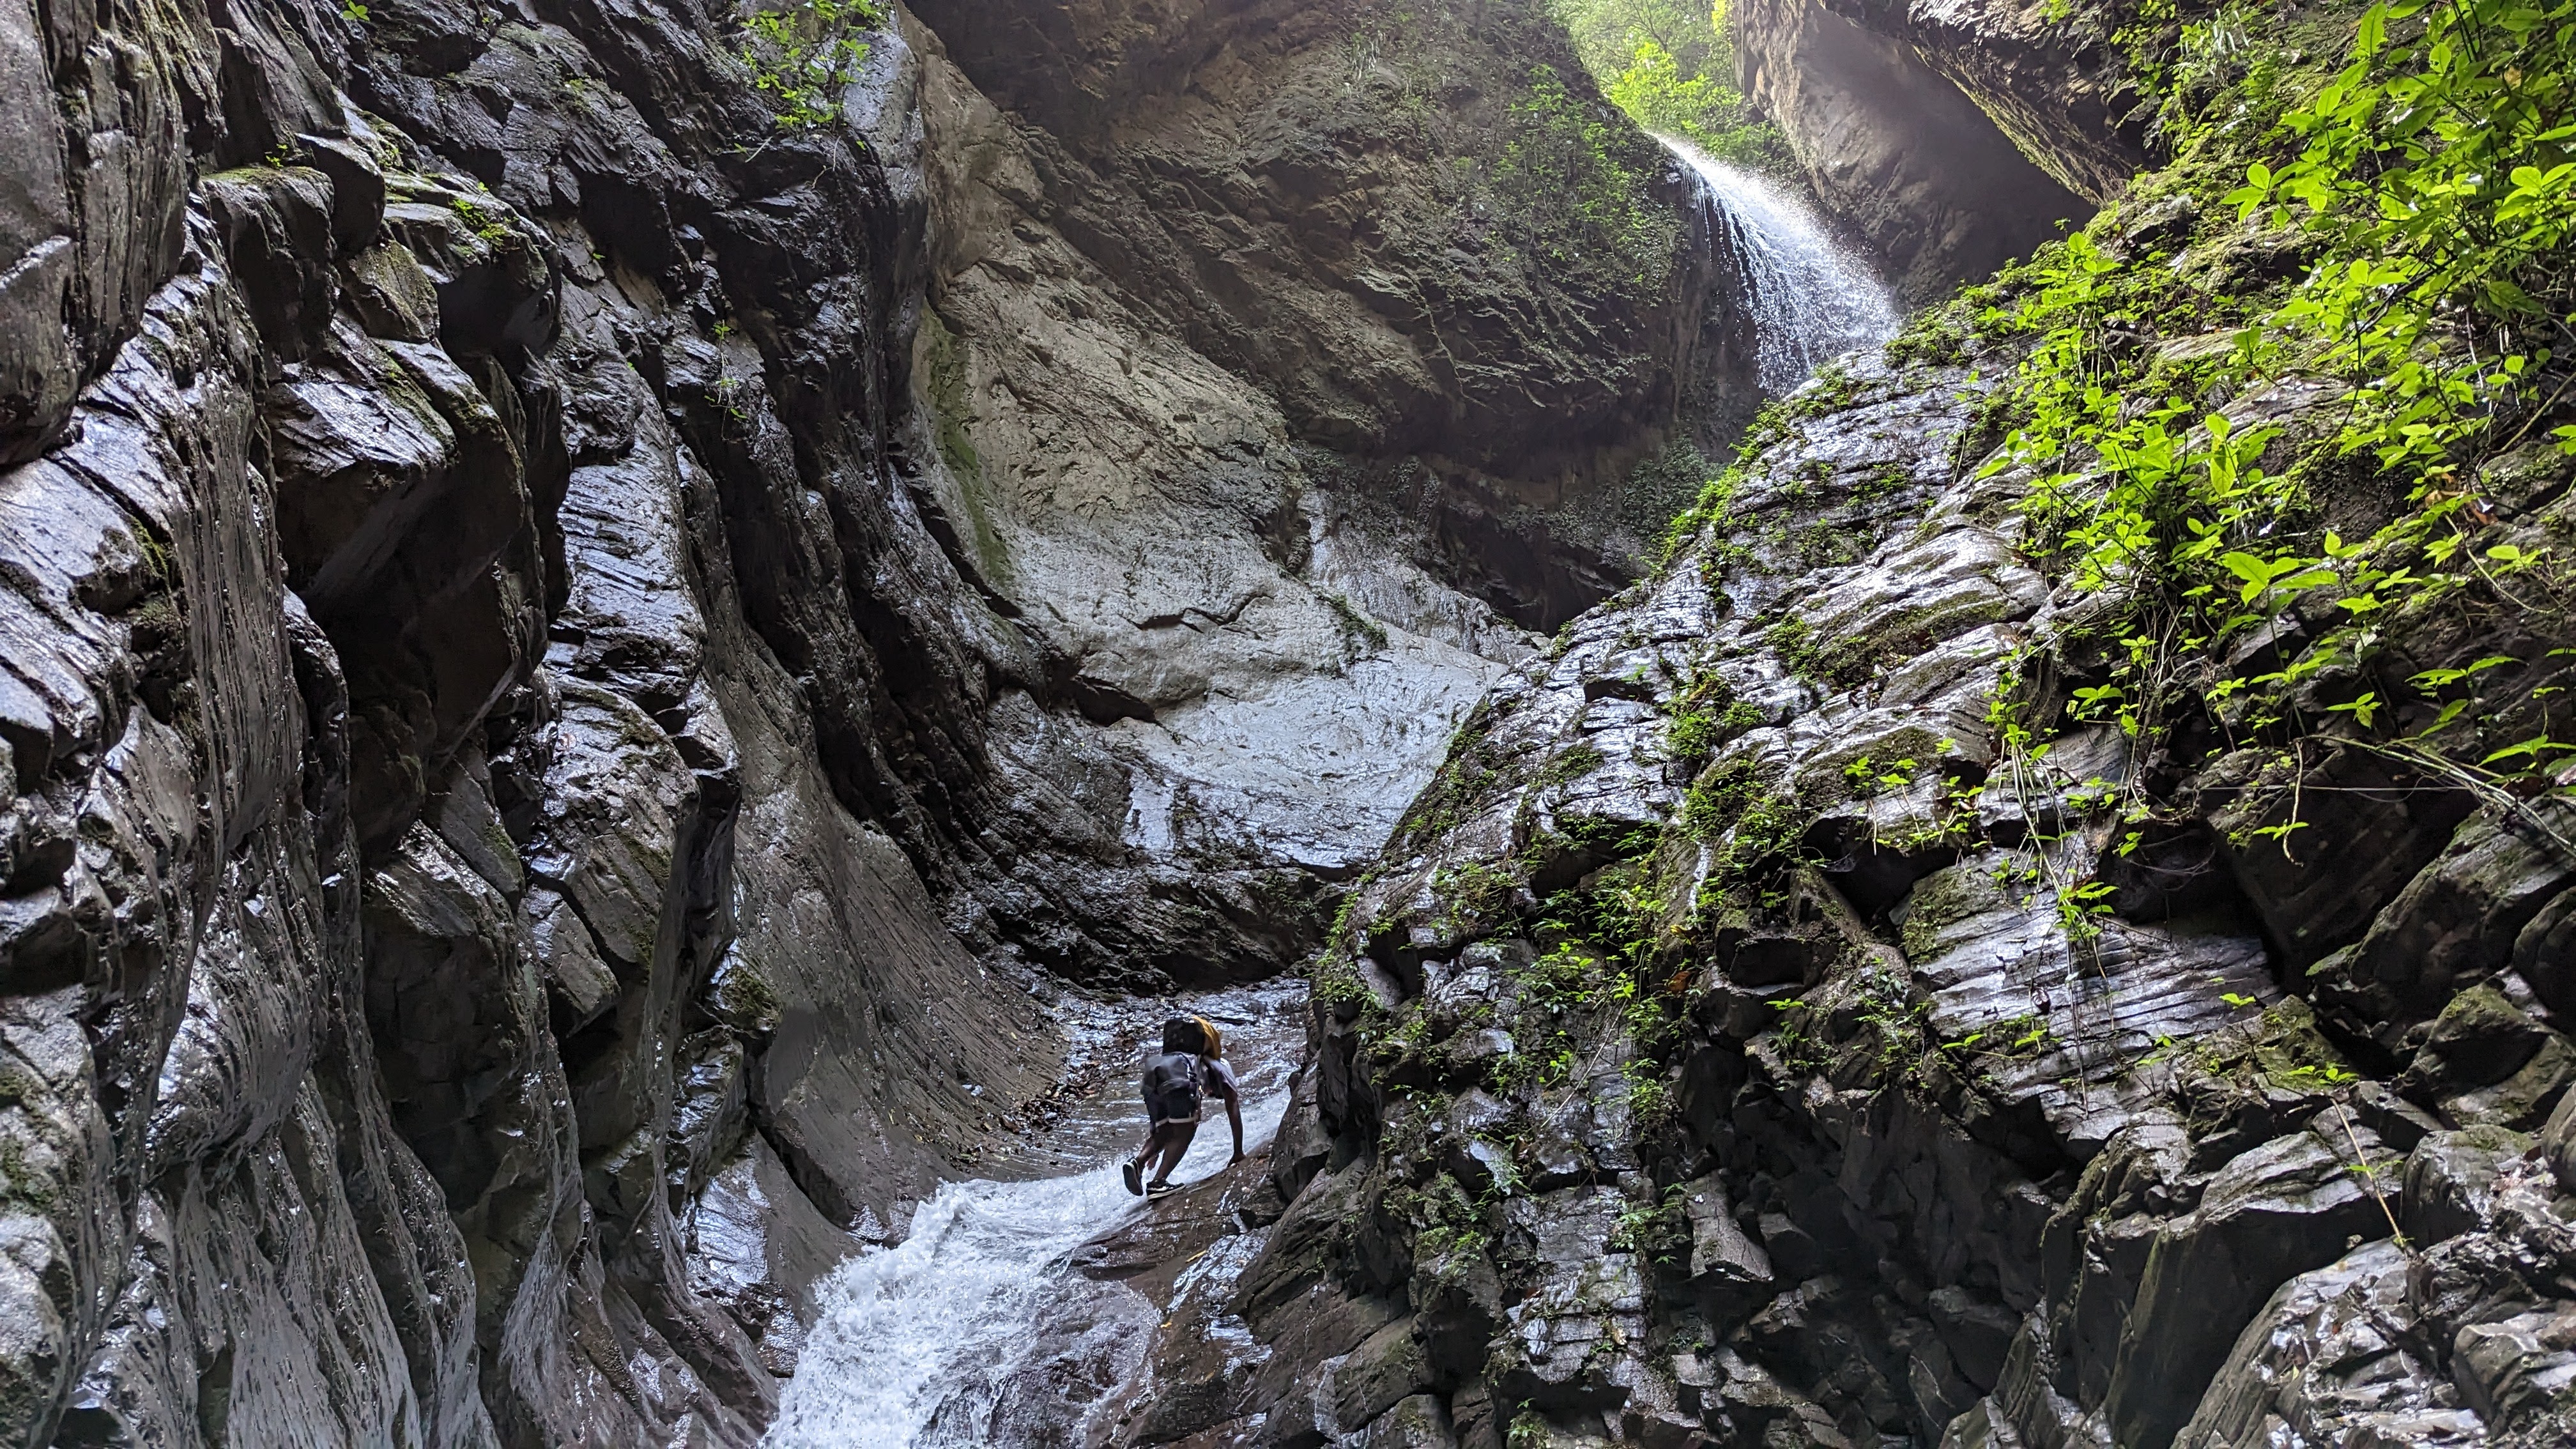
[{"x": 1173, "y": 1107}]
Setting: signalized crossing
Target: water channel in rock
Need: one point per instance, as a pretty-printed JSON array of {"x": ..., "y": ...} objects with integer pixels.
[{"x": 976, "y": 1329}]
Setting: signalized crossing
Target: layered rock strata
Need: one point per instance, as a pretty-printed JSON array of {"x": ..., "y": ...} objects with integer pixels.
[
  {"x": 1274, "y": 389},
  {"x": 2058, "y": 79},
  {"x": 1611, "y": 1133},
  {"x": 556, "y": 712},
  {"x": 449, "y": 875}
]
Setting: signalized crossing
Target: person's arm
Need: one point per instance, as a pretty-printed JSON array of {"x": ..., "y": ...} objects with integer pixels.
[{"x": 1233, "y": 1106}]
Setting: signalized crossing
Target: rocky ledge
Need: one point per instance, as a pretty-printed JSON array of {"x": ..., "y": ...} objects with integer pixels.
[
  {"x": 588, "y": 645},
  {"x": 1713, "y": 1057}
]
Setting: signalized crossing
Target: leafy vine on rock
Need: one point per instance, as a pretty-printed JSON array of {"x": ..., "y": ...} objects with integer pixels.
[{"x": 805, "y": 53}]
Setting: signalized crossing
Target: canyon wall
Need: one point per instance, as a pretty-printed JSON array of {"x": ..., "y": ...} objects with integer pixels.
[
  {"x": 1610, "y": 1134},
  {"x": 1800, "y": 1012},
  {"x": 1895, "y": 150},
  {"x": 585, "y": 656}
]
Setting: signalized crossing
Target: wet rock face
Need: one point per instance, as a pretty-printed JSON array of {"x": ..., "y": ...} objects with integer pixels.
[
  {"x": 1386, "y": 251},
  {"x": 435, "y": 878},
  {"x": 1268, "y": 396},
  {"x": 1607, "y": 1138},
  {"x": 574, "y": 648},
  {"x": 2052, "y": 77},
  {"x": 1895, "y": 149}
]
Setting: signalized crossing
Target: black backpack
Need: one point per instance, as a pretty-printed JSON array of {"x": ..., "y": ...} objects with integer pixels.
[{"x": 1172, "y": 1085}]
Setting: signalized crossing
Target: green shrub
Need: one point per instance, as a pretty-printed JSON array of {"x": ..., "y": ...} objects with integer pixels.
[
  {"x": 2418, "y": 210},
  {"x": 1670, "y": 64},
  {"x": 805, "y": 53}
]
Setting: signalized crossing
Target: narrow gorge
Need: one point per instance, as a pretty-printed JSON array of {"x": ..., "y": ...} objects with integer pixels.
[{"x": 1855, "y": 718}]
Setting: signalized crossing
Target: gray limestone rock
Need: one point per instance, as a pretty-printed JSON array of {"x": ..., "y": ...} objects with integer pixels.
[
  {"x": 1893, "y": 147},
  {"x": 2276, "y": 1211}
]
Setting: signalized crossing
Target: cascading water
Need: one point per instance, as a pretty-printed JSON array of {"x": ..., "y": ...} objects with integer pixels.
[
  {"x": 976, "y": 1329},
  {"x": 1811, "y": 300}
]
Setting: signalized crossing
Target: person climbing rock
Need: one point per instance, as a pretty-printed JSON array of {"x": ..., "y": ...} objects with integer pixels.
[{"x": 1190, "y": 1067}]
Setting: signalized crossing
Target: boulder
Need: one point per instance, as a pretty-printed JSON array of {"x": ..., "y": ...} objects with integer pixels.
[
  {"x": 2278, "y": 1210},
  {"x": 2318, "y": 1361},
  {"x": 2450, "y": 1180}
]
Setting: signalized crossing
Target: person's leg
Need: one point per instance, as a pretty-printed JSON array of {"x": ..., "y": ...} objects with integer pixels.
[
  {"x": 1176, "y": 1141},
  {"x": 1157, "y": 1138},
  {"x": 1133, "y": 1168}
]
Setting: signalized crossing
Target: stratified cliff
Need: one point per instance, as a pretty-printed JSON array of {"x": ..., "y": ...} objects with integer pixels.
[
  {"x": 474, "y": 764},
  {"x": 587, "y": 621},
  {"x": 2048, "y": 921},
  {"x": 1276, "y": 424},
  {"x": 1898, "y": 153}
]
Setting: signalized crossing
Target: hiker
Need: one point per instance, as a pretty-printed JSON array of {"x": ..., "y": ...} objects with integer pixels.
[{"x": 1191, "y": 1065}]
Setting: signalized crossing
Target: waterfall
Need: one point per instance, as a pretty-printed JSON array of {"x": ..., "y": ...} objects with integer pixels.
[
  {"x": 1811, "y": 299},
  {"x": 977, "y": 1330}
]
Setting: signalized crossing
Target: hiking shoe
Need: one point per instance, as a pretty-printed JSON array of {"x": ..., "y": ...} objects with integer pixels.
[
  {"x": 1161, "y": 1189},
  {"x": 1135, "y": 1175}
]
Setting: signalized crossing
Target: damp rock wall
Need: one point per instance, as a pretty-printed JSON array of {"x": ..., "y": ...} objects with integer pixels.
[
  {"x": 586, "y": 660},
  {"x": 1606, "y": 1136}
]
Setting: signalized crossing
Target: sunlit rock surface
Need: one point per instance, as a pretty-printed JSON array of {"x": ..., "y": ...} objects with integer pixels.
[
  {"x": 1899, "y": 155},
  {"x": 1599, "y": 1148},
  {"x": 578, "y": 655}
]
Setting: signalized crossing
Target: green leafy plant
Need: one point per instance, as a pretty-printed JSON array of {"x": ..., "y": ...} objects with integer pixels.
[
  {"x": 1869, "y": 778},
  {"x": 489, "y": 223},
  {"x": 2427, "y": 191},
  {"x": 1576, "y": 183},
  {"x": 804, "y": 54},
  {"x": 1670, "y": 64}
]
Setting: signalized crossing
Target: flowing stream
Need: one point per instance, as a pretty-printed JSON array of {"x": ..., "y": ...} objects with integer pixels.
[
  {"x": 1812, "y": 300},
  {"x": 975, "y": 1330}
]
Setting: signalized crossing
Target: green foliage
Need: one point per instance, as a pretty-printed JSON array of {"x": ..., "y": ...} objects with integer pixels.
[
  {"x": 804, "y": 54},
  {"x": 1557, "y": 990},
  {"x": 1577, "y": 182},
  {"x": 1663, "y": 487},
  {"x": 1712, "y": 512},
  {"x": 1869, "y": 778},
  {"x": 1471, "y": 774},
  {"x": 1671, "y": 66},
  {"x": 1935, "y": 336},
  {"x": 1706, "y": 714},
  {"x": 1359, "y": 631},
  {"x": 1606, "y": 33},
  {"x": 2420, "y": 208},
  {"x": 1334, "y": 980},
  {"x": 489, "y": 223},
  {"x": 1658, "y": 1231},
  {"x": 1819, "y": 659},
  {"x": 1700, "y": 109},
  {"x": 1650, "y": 1098},
  {"x": 1568, "y": 766},
  {"x": 1758, "y": 826},
  {"x": 2439, "y": 173},
  {"x": 1692, "y": 736}
]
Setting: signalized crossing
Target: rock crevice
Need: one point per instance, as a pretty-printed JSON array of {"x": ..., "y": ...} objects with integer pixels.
[{"x": 583, "y": 656}]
